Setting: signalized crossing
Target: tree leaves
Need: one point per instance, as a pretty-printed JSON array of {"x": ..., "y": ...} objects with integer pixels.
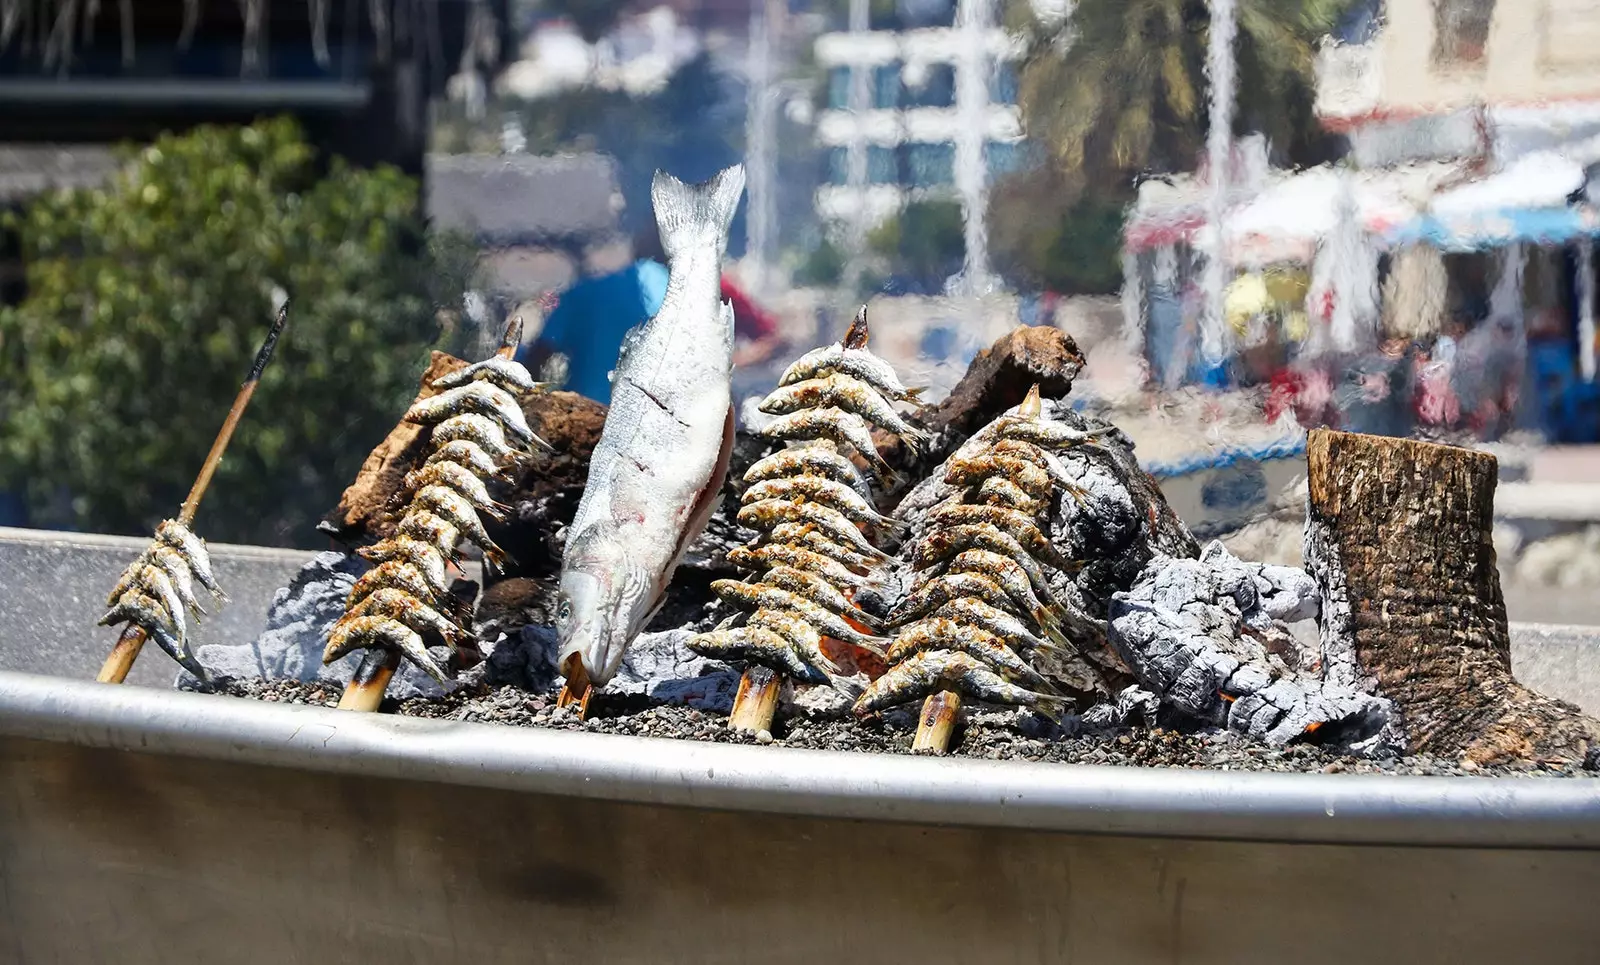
[{"x": 146, "y": 302}]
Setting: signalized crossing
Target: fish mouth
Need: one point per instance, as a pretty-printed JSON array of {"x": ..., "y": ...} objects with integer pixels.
[{"x": 597, "y": 659}]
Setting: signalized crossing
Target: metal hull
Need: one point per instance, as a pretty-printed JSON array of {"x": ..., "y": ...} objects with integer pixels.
[{"x": 139, "y": 826}]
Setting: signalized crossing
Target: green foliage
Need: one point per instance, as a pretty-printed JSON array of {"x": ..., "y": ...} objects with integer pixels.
[
  {"x": 1044, "y": 237},
  {"x": 923, "y": 244},
  {"x": 146, "y": 302},
  {"x": 1120, "y": 87},
  {"x": 823, "y": 267}
]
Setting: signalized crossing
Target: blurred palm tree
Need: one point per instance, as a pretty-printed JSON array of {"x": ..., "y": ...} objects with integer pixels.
[{"x": 1118, "y": 87}]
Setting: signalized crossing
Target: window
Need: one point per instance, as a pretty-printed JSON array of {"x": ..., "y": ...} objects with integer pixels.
[
  {"x": 838, "y": 166},
  {"x": 1461, "y": 33},
  {"x": 1003, "y": 84},
  {"x": 1005, "y": 157},
  {"x": 936, "y": 87},
  {"x": 839, "y": 88},
  {"x": 930, "y": 165},
  {"x": 886, "y": 86},
  {"x": 881, "y": 166}
]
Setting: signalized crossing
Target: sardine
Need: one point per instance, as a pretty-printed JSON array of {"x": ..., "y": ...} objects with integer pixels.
[
  {"x": 384, "y": 632},
  {"x": 172, "y": 563},
  {"x": 423, "y": 555},
  {"x": 821, "y": 592},
  {"x": 1009, "y": 576},
  {"x": 1032, "y": 479},
  {"x": 761, "y": 596},
  {"x": 835, "y": 425},
  {"x": 856, "y": 362},
  {"x": 928, "y": 673},
  {"x": 943, "y": 633},
  {"x": 755, "y": 645},
  {"x": 940, "y": 545},
  {"x": 455, "y": 476},
  {"x": 399, "y": 605},
  {"x": 474, "y": 457},
  {"x": 809, "y": 536},
  {"x": 801, "y": 636},
  {"x": 478, "y": 429},
  {"x": 1002, "y": 624},
  {"x": 391, "y": 575},
  {"x": 508, "y": 374},
  {"x": 154, "y": 581},
  {"x": 1046, "y": 432},
  {"x": 950, "y": 586},
  {"x": 769, "y": 555},
  {"x": 655, "y": 474},
  {"x": 824, "y": 492},
  {"x": 432, "y": 529},
  {"x": 1019, "y": 526},
  {"x": 1000, "y": 491},
  {"x": 769, "y": 513},
  {"x": 481, "y": 398},
  {"x": 850, "y": 394},
  {"x": 820, "y": 458},
  {"x": 455, "y": 509},
  {"x": 193, "y": 550},
  {"x": 148, "y": 614}
]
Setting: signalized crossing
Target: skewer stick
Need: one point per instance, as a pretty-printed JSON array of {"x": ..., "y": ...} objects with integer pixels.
[
  {"x": 115, "y": 669},
  {"x": 756, "y": 702},
  {"x": 364, "y": 692},
  {"x": 937, "y": 723}
]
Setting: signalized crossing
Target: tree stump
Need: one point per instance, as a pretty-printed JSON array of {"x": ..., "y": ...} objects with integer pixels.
[{"x": 1398, "y": 539}]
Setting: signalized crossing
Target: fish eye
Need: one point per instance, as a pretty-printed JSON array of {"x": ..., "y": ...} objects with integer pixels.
[{"x": 564, "y": 611}]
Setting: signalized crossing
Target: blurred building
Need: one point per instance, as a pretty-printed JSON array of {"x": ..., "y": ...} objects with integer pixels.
[
  {"x": 910, "y": 110},
  {"x": 1461, "y": 221}
]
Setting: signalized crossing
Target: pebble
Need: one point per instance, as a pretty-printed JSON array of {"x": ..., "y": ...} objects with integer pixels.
[{"x": 984, "y": 734}]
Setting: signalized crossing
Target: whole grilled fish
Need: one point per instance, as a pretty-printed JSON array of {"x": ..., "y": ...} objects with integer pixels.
[{"x": 663, "y": 453}]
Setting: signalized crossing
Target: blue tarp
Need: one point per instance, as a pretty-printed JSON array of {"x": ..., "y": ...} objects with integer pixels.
[{"x": 1539, "y": 226}]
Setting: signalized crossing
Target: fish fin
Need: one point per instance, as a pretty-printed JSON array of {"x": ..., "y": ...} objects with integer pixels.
[
  {"x": 690, "y": 214},
  {"x": 857, "y": 335},
  {"x": 706, "y": 503}
]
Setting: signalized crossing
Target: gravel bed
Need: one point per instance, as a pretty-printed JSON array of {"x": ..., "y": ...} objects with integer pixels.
[{"x": 995, "y": 735}]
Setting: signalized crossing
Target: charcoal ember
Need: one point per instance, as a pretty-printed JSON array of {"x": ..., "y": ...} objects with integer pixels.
[
  {"x": 544, "y": 488},
  {"x": 296, "y": 633},
  {"x": 1204, "y": 636},
  {"x": 661, "y": 667},
  {"x": 525, "y": 658},
  {"x": 1133, "y": 706},
  {"x": 363, "y": 514}
]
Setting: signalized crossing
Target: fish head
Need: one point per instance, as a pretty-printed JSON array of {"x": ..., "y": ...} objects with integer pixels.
[{"x": 604, "y": 601}]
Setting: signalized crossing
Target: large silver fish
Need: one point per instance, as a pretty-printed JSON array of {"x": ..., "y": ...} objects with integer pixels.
[{"x": 662, "y": 456}]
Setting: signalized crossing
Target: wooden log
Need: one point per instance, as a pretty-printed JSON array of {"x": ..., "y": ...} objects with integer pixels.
[
  {"x": 365, "y": 690},
  {"x": 937, "y": 724},
  {"x": 756, "y": 702},
  {"x": 577, "y": 689},
  {"x": 1398, "y": 539}
]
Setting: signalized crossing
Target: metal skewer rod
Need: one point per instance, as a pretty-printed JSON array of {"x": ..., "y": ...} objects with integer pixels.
[
  {"x": 364, "y": 692},
  {"x": 115, "y": 669}
]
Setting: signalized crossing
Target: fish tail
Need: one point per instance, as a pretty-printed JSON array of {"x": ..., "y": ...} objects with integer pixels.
[
  {"x": 845, "y": 685},
  {"x": 547, "y": 446},
  {"x": 691, "y": 214},
  {"x": 1052, "y": 706},
  {"x": 913, "y": 396}
]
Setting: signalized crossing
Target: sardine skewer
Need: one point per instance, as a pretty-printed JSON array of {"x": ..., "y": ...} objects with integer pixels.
[
  {"x": 365, "y": 690},
  {"x": 120, "y": 661}
]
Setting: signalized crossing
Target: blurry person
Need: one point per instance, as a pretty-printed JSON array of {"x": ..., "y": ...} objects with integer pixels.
[{"x": 590, "y": 319}]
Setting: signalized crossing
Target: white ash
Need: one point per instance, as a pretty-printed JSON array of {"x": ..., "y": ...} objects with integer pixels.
[
  {"x": 291, "y": 646},
  {"x": 661, "y": 667},
  {"x": 1204, "y": 635}
]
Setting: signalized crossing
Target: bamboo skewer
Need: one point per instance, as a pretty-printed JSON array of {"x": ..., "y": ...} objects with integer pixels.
[
  {"x": 365, "y": 691},
  {"x": 756, "y": 702},
  {"x": 120, "y": 661},
  {"x": 937, "y": 723}
]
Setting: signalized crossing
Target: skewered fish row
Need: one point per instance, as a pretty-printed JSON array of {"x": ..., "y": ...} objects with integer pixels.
[
  {"x": 980, "y": 607},
  {"x": 158, "y": 586},
  {"x": 478, "y": 426},
  {"x": 813, "y": 511}
]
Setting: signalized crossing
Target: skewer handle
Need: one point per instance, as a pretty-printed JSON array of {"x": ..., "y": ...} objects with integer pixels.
[
  {"x": 120, "y": 661},
  {"x": 756, "y": 702},
  {"x": 937, "y": 723},
  {"x": 365, "y": 690}
]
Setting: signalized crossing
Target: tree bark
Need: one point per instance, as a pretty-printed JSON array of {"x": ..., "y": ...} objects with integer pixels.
[{"x": 1398, "y": 539}]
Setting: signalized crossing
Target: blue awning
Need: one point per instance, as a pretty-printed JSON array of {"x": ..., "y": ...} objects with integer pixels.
[{"x": 1490, "y": 229}]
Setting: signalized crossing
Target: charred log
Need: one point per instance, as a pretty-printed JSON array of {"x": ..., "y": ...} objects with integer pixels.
[{"x": 1398, "y": 538}]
